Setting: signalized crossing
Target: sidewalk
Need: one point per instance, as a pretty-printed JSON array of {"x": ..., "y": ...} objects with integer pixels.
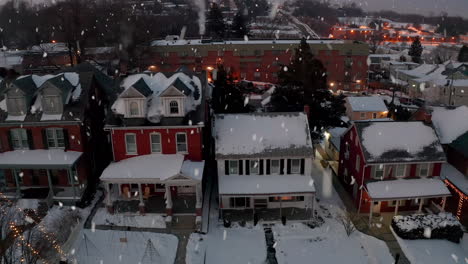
[{"x": 381, "y": 232}]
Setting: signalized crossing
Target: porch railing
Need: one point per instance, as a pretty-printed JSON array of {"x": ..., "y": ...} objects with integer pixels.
[{"x": 50, "y": 198}]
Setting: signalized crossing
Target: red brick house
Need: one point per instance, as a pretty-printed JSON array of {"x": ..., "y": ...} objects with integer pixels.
[
  {"x": 156, "y": 130},
  {"x": 49, "y": 129},
  {"x": 391, "y": 166}
]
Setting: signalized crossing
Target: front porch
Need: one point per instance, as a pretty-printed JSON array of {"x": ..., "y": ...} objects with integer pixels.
[
  {"x": 182, "y": 204},
  {"x": 268, "y": 214}
]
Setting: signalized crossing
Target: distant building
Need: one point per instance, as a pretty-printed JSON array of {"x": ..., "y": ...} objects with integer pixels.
[
  {"x": 264, "y": 166},
  {"x": 261, "y": 60}
]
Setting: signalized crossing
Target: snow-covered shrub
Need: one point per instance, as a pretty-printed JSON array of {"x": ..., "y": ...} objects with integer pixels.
[{"x": 434, "y": 226}]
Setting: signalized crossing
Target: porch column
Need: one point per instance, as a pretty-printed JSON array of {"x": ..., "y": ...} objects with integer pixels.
[
  {"x": 120, "y": 189},
  {"x": 371, "y": 211},
  {"x": 281, "y": 207},
  {"x": 198, "y": 196},
  {"x": 444, "y": 200},
  {"x": 168, "y": 196},
  {"x": 421, "y": 201},
  {"x": 49, "y": 180},
  {"x": 396, "y": 207},
  {"x": 141, "y": 205},
  {"x": 109, "y": 206},
  {"x": 18, "y": 189},
  {"x": 313, "y": 206},
  {"x": 72, "y": 181}
]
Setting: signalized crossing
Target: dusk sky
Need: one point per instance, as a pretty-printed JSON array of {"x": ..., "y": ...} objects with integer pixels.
[{"x": 452, "y": 7}]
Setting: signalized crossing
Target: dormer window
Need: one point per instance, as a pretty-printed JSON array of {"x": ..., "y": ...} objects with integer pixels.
[
  {"x": 134, "y": 108},
  {"x": 174, "y": 107},
  {"x": 52, "y": 104},
  {"x": 16, "y": 105}
]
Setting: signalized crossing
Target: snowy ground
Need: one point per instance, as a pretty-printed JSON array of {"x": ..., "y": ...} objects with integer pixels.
[
  {"x": 434, "y": 251},
  {"x": 295, "y": 243},
  {"x": 109, "y": 246},
  {"x": 102, "y": 217}
]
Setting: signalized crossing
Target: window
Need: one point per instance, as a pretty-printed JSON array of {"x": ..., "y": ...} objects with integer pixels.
[
  {"x": 394, "y": 202},
  {"x": 379, "y": 172},
  {"x": 286, "y": 199},
  {"x": 358, "y": 162},
  {"x": 130, "y": 143},
  {"x": 16, "y": 106},
  {"x": 165, "y": 54},
  {"x": 155, "y": 139},
  {"x": 295, "y": 166},
  {"x": 19, "y": 139},
  {"x": 243, "y": 75},
  {"x": 233, "y": 167},
  {"x": 423, "y": 170},
  {"x": 274, "y": 166},
  {"x": 400, "y": 171},
  {"x": 220, "y": 53},
  {"x": 257, "y": 75},
  {"x": 134, "y": 109},
  {"x": 181, "y": 141},
  {"x": 174, "y": 107},
  {"x": 374, "y": 115},
  {"x": 55, "y": 138},
  {"x": 257, "y": 53},
  {"x": 254, "y": 166},
  {"x": 363, "y": 115},
  {"x": 52, "y": 104},
  {"x": 239, "y": 202}
]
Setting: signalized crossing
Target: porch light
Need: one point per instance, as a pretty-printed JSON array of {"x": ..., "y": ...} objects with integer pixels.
[
  {"x": 332, "y": 84},
  {"x": 209, "y": 68}
]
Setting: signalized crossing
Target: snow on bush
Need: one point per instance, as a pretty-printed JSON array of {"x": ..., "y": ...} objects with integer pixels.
[{"x": 434, "y": 226}]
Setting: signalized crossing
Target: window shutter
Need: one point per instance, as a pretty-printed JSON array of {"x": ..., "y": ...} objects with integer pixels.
[
  {"x": 288, "y": 169},
  {"x": 226, "y": 167},
  {"x": 261, "y": 167},
  {"x": 247, "y": 167},
  {"x": 268, "y": 167},
  {"x": 44, "y": 138},
  {"x": 373, "y": 171},
  {"x": 281, "y": 166},
  {"x": 302, "y": 166},
  {"x": 240, "y": 167},
  {"x": 30, "y": 139},
  {"x": 66, "y": 140},
  {"x": 10, "y": 141}
]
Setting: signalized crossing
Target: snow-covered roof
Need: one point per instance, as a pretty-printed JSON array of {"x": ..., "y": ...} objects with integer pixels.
[
  {"x": 367, "y": 104},
  {"x": 420, "y": 71},
  {"x": 399, "y": 142},
  {"x": 450, "y": 123},
  {"x": 335, "y": 135},
  {"x": 407, "y": 189},
  {"x": 39, "y": 158},
  {"x": 185, "y": 42},
  {"x": 262, "y": 135},
  {"x": 455, "y": 177},
  {"x": 270, "y": 184},
  {"x": 141, "y": 169},
  {"x": 152, "y": 86}
]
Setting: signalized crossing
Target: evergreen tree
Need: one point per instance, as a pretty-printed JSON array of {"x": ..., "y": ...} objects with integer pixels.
[
  {"x": 463, "y": 55},
  {"x": 416, "y": 50},
  {"x": 227, "y": 97},
  {"x": 304, "y": 82},
  {"x": 239, "y": 27},
  {"x": 215, "y": 26}
]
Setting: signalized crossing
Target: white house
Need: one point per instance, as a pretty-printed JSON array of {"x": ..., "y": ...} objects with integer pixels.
[{"x": 264, "y": 166}]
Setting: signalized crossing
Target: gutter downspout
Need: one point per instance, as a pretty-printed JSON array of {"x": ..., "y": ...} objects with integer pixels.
[{"x": 361, "y": 187}]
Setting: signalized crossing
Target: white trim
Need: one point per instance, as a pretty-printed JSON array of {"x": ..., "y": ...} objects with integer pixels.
[
  {"x": 279, "y": 167},
  {"x": 299, "y": 167},
  {"x": 396, "y": 171},
  {"x": 54, "y": 137},
  {"x": 20, "y": 138},
  {"x": 375, "y": 171},
  {"x": 237, "y": 167},
  {"x": 126, "y": 146},
  {"x": 177, "y": 143},
  {"x": 427, "y": 169},
  {"x": 252, "y": 161},
  {"x": 139, "y": 102},
  {"x": 151, "y": 142}
]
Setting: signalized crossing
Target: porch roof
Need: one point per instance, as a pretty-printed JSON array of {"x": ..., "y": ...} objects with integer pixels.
[
  {"x": 455, "y": 177},
  {"x": 153, "y": 168},
  {"x": 39, "y": 159},
  {"x": 265, "y": 184},
  {"x": 407, "y": 189}
]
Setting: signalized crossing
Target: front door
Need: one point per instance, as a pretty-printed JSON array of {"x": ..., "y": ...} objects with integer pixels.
[
  {"x": 261, "y": 202},
  {"x": 376, "y": 207}
]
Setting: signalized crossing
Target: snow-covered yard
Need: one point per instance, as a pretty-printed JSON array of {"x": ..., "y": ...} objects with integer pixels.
[
  {"x": 434, "y": 251},
  {"x": 102, "y": 217},
  {"x": 109, "y": 246}
]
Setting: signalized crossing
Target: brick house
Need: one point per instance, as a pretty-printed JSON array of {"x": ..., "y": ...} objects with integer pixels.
[
  {"x": 391, "y": 166},
  {"x": 264, "y": 166},
  {"x": 49, "y": 129},
  {"x": 156, "y": 128}
]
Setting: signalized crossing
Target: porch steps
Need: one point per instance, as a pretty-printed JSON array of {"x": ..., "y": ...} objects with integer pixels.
[{"x": 270, "y": 242}]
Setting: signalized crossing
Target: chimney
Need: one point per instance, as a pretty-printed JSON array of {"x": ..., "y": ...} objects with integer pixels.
[{"x": 307, "y": 110}]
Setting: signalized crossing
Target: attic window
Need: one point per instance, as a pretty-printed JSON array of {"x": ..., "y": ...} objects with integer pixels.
[
  {"x": 174, "y": 107},
  {"x": 134, "y": 109},
  {"x": 16, "y": 105},
  {"x": 52, "y": 104}
]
